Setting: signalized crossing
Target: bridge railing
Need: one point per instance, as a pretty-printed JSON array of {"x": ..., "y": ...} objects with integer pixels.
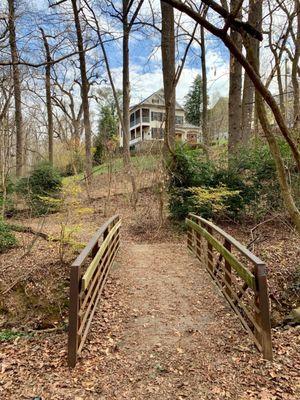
[
  {"x": 239, "y": 274},
  {"x": 88, "y": 275}
]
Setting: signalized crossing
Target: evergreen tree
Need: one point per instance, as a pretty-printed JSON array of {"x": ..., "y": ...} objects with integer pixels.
[
  {"x": 193, "y": 103},
  {"x": 108, "y": 124}
]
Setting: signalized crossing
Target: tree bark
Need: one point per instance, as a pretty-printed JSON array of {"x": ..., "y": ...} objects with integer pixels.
[
  {"x": 126, "y": 102},
  {"x": 84, "y": 93},
  {"x": 254, "y": 18},
  {"x": 17, "y": 89},
  {"x": 235, "y": 92},
  {"x": 48, "y": 97},
  {"x": 168, "y": 66},
  {"x": 205, "y": 133},
  {"x": 126, "y": 89},
  {"x": 295, "y": 65}
]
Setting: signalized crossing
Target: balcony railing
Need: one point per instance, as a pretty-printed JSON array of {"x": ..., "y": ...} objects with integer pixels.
[{"x": 137, "y": 121}]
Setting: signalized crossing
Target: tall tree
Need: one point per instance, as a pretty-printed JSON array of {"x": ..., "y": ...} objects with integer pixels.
[
  {"x": 17, "y": 87},
  {"x": 295, "y": 66},
  {"x": 205, "y": 132},
  {"x": 194, "y": 102},
  {"x": 168, "y": 65},
  {"x": 84, "y": 91},
  {"x": 48, "y": 96},
  {"x": 127, "y": 22},
  {"x": 254, "y": 18},
  {"x": 235, "y": 88}
]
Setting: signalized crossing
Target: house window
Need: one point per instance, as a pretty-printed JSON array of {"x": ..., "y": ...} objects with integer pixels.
[
  {"x": 178, "y": 120},
  {"x": 132, "y": 120},
  {"x": 145, "y": 114},
  {"x": 155, "y": 101},
  {"x": 157, "y": 116}
]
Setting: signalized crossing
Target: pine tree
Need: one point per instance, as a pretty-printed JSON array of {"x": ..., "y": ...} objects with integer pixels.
[
  {"x": 108, "y": 124},
  {"x": 193, "y": 103}
]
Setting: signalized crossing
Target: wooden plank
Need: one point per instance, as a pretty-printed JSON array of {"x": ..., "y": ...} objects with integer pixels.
[
  {"x": 240, "y": 269},
  {"x": 73, "y": 339},
  {"x": 246, "y": 252},
  {"x": 89, "y": 247},
  {"x": 228, "y": 278},
  {"x": 210, "y": 254},
  {"x": 90, "y": 270},
  {"x": 263, "y": 303}
]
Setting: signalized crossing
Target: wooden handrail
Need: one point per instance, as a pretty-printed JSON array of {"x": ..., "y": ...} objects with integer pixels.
[
  {"x": 246, "y": 252},
  {"x": 91, "y": 244},
  {"x": 241, "y": 270}
]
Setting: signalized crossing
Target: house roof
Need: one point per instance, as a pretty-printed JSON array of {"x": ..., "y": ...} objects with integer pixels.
[{"x": 160, "y": 94}]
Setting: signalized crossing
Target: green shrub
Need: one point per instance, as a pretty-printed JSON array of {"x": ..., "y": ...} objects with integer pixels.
[
  {"x": 7, "y": 238},
  {"x": 190, "y": 173},
  {"x": 6, "y": 198},
  {"x": 250, "y": 183},
  {"x": 42, "y": 189}
]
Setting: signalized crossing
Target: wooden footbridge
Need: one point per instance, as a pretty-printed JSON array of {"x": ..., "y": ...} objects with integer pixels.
[{"x": 239, "y": 275}]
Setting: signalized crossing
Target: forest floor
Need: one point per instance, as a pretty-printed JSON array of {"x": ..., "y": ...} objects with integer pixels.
[{"x": 162, "y": 330}]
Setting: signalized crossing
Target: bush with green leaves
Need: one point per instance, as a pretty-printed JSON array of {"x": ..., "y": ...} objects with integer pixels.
[
  {"x": 257, "y": 167},
  {"x": 248, "y": 186},
  {"x": 7, "y": 237},
  {"x": 190, "y": 172},
  {"x": 42, "y": 189},
  {"x": 6, "y": 197}
]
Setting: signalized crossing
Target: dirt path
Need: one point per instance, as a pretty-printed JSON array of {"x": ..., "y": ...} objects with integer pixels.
[{"x": 162, "y": 332}]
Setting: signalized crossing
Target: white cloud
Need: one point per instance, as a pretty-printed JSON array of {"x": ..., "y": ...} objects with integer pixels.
[{"x": 144, "y": 82}]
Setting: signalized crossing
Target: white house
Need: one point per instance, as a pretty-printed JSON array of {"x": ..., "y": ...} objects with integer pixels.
[{"x": 147, "y": 122}]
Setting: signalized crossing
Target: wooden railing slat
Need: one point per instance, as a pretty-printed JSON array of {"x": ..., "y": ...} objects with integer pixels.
[
  {"x": 242, "y": 271},
  {"x": 93, "y": 265}
]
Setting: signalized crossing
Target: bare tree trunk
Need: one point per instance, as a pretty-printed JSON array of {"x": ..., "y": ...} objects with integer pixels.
[
  {"x": 254, "y": 18},
  {"x": 48, "y": 97},
  {"x": 17, "y": 89},
  {"x": 235, "y": 92},
  {"x": 126, "y": 103},
  {"x": 126, "y": 95},
  {"x": 295, "y": 65},
  {"x": 280, "y": 90},
  {"x": 168, "y": 64},
  {"x": 205, "y": 133},
  {"x": 84, "y": 93}
]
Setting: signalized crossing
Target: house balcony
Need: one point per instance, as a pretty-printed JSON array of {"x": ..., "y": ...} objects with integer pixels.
[{"x": 140, "y": 117}]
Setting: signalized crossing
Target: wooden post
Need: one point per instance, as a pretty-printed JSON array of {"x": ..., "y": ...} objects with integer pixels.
[
  {"x": 227, "y": 246},
  {"x": 263, "y": 303},
  {"x": 210, "y": 261},
  {"x": 189, "y": 238},
  {"x": 73, "y": 316}
]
